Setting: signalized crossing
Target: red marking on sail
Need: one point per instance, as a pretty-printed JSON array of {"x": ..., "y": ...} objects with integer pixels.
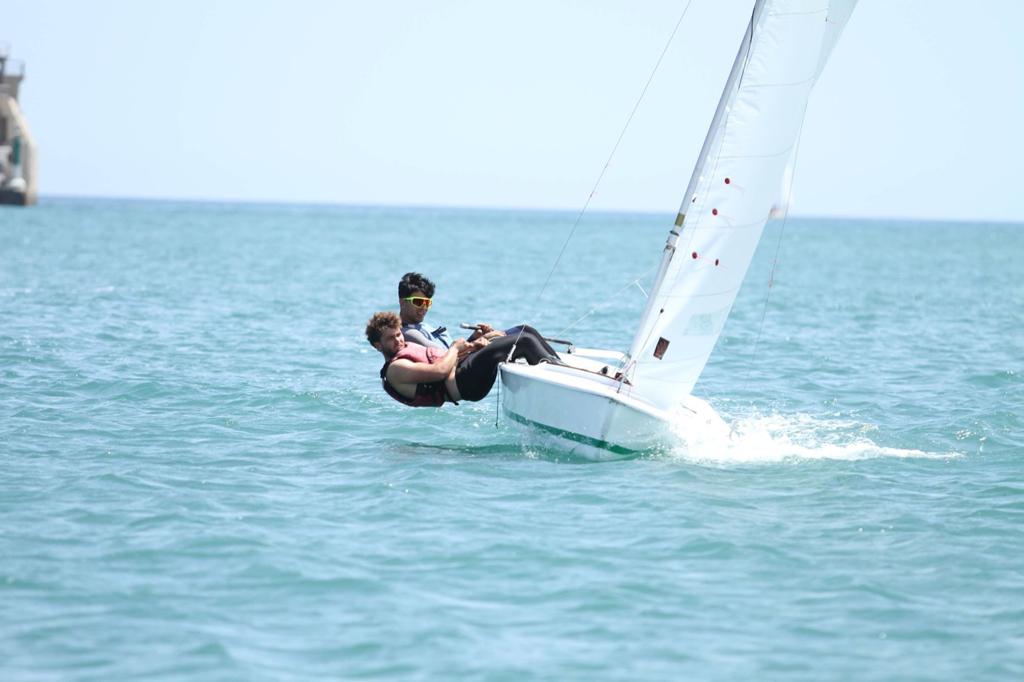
[
  {"x": 714, "y": 211},
  {"x": 694, "y": 254}
]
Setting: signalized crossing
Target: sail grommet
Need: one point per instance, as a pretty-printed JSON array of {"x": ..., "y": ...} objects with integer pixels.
[
  {"x": 727, "y": 181},
  {"x": 714, "y": 211},
  {"x": 694, "y": 255}
]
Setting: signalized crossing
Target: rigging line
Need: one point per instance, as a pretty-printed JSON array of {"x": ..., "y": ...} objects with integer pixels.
[
  {"x": 778, "y": 249},
  {"x": 615, "y": 148},
  {"x": 635, "y": 282},
  {"x": 607, "y": 163}
]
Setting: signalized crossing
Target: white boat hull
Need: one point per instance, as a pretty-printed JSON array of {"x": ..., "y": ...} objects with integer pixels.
[{"x": 588, "y": 415}]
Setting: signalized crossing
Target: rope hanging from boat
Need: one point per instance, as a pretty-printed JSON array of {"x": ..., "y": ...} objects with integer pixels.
[
  {"x": 497, "y": 407},
  {"x": 607, "y": 163}
]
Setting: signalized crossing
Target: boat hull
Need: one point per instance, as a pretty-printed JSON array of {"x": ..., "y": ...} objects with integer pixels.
[{"x": 586, "y": 413}]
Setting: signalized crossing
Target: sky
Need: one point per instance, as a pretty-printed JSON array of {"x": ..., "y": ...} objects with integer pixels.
[{"x": 519, "y": 105}]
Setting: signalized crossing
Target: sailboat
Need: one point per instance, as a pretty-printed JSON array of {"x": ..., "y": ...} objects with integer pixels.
[{"x": 608, "y": 404}]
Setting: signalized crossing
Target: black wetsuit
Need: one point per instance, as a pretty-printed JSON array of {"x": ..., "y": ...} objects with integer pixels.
[
  {"x": 476, "y": 373},
  {"x": 514, "y": 331}
]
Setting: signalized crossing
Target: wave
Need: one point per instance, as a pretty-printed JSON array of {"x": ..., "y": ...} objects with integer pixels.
[{"x": 778, "y": 438}]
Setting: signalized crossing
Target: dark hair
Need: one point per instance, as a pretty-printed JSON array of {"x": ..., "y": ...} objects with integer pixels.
[
  {"x": 414, "y": 281},
  {"x": 379, "y": 323}
]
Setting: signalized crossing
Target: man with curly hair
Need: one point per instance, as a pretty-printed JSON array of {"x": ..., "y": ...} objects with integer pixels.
[{"x": 423, "y": 376}]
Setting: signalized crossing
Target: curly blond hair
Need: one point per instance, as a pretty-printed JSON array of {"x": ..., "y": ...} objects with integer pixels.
[{"x": 377, "y": 325}]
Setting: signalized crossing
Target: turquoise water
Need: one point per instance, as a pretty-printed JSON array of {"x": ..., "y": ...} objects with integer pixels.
[{"x": 202, "y": 480}]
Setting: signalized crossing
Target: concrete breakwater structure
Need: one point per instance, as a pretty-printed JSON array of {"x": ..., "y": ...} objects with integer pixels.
[{"x": 18, "y": 177}]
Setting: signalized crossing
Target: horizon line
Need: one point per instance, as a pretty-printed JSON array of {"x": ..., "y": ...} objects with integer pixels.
[{"x": 524, "y": 209}]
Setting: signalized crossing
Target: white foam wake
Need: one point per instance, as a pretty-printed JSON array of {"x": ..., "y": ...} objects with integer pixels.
[{"x": 776, "y": 438}]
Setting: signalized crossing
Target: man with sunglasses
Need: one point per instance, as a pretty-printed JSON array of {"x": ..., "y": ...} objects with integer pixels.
[{"x": 415, "y": 296}]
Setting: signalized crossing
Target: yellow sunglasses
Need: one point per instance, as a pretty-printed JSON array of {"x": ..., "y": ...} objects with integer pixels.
[{"x": 419, "y": 301}]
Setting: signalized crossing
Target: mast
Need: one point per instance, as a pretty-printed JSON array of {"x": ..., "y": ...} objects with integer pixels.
[
  {"x": 698, "y": 170},
  {"x": 745, "y": 162}
]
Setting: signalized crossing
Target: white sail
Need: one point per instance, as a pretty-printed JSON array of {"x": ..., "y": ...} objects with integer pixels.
[
  {"x": 745, "y": 160},
  {"x": 743, "y": 167}
]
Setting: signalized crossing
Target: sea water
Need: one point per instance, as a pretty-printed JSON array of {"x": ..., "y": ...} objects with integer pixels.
[{"x": 201, "y": 478}]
